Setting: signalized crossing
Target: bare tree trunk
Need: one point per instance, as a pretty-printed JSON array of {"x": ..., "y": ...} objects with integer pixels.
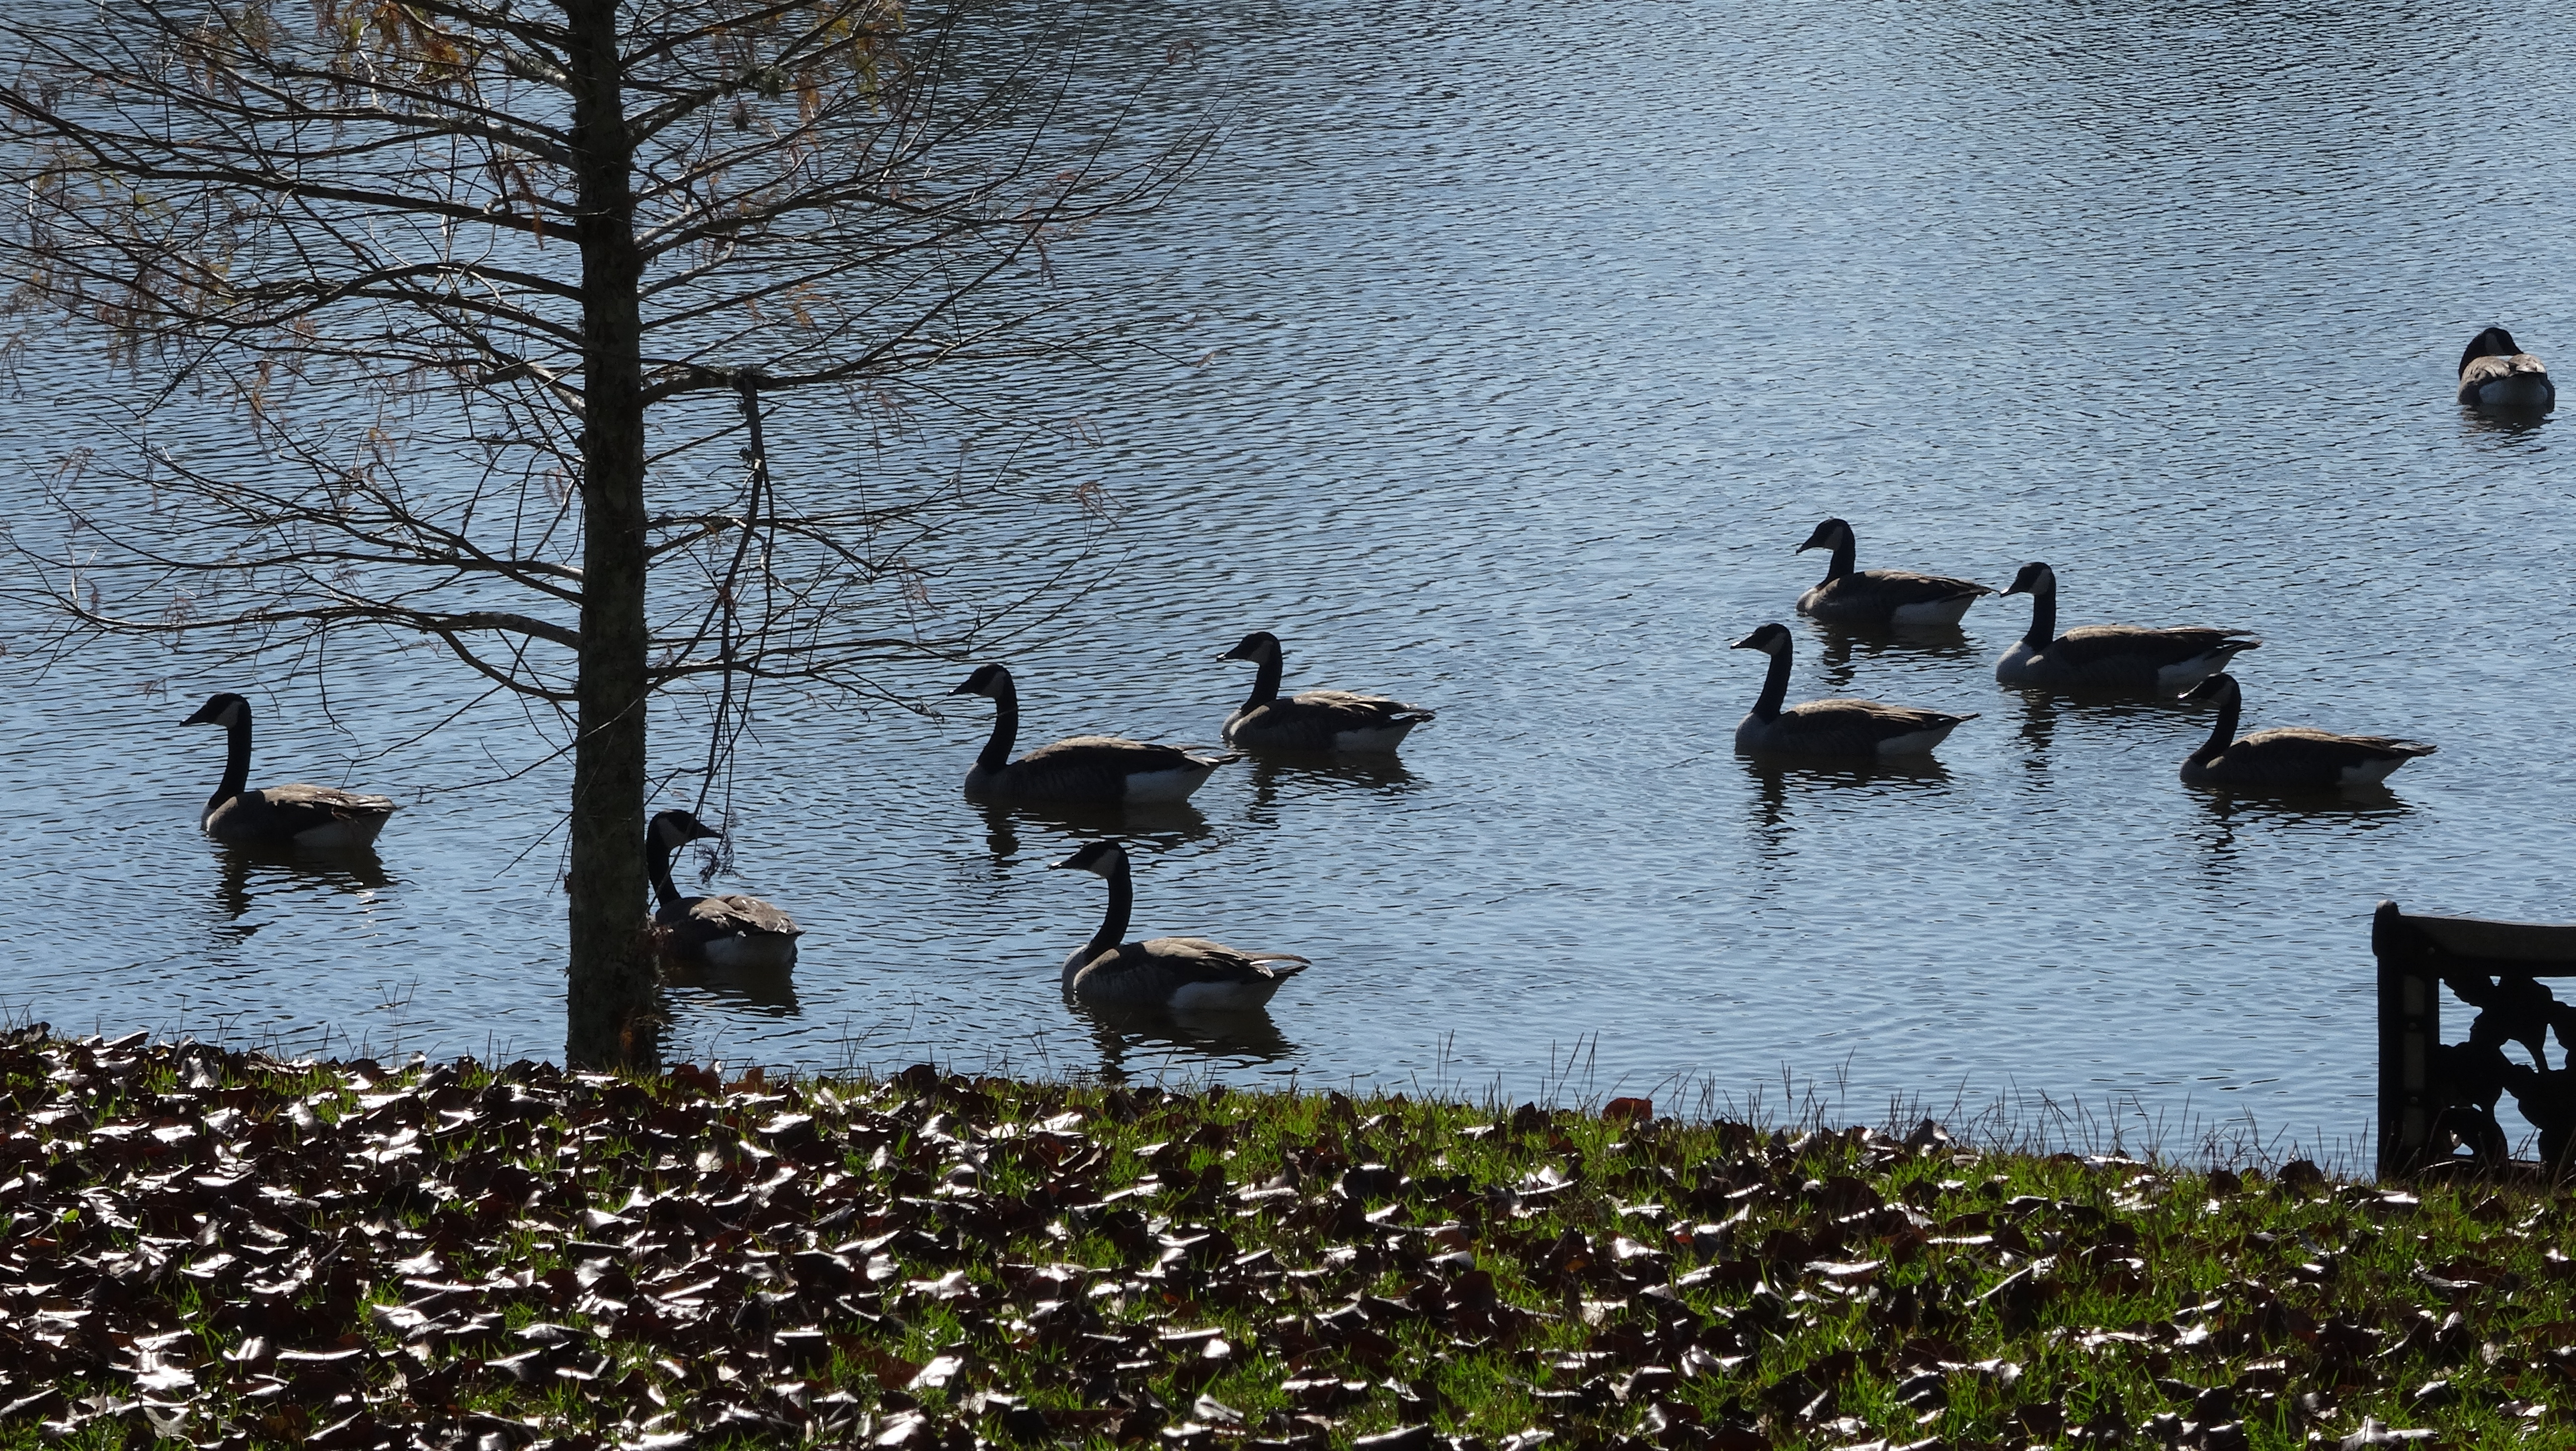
[{"x": 610, "y": 997}]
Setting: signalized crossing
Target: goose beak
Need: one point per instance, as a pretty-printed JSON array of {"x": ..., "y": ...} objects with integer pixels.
[{"x": 1747, "y": 643}]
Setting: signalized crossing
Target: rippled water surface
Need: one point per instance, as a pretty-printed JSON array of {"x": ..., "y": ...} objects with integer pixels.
[{"x": 1499, "y": 357}]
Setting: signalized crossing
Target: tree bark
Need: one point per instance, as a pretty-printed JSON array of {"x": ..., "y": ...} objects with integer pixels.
[{"x": 609, "y": 1010}]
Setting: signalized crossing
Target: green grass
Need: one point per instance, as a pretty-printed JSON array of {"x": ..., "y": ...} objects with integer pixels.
[{"x": 233, "y": 1251}]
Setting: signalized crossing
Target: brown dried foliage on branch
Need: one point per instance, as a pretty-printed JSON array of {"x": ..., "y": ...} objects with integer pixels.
[{"x": 224, "y": 1249}]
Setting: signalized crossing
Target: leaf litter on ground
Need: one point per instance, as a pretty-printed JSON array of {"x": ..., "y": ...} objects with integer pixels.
[{"x": 223, "y": 1249}]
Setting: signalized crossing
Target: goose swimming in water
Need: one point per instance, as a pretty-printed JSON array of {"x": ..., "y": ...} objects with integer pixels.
[
  {"x": 727, "y": 931},
  {"x": 1184, "y": 974},
  {"x": 1832, "y": 727},
  {"x": 1081, "y": 768},
  {"x": 2298, "y": 758},
  {"x": 2109, "y": 657},
  {"x": 1880, "y": 596},
  {"x": 1311, "y": 720},
  {"x": 315, "y": 818},
  {"x": 2495, "y": 373}
]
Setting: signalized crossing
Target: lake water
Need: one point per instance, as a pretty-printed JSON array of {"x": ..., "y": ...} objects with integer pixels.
[{"x": 1500, "y": 356}]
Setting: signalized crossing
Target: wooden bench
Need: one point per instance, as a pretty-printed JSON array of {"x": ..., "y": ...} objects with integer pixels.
[{"x": 2437, "y": 1099}]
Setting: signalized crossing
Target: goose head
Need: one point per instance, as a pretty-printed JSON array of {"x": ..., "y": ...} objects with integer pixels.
[
  {"x": 1259, "y": 645},
  {"x": 2495, "y": 342},
  {"x": 1831, "y": 534},
  {"x": 225, "y": 709},
  {"x": 2220, "y": 687},
  {"x": 988, "y": 680},
  {"x": 2035, "y": 578},
  {"x": 1770, "y": 640},
  {"x": 1100, "y": 858},
  {"x": 675, "y": 829}
]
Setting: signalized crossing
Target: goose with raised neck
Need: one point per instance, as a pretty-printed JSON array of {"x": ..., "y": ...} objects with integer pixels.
[
  {"x": 1099, "y": 769},
  {"x": 1312, "y": 720},
  {"x": 2293, "y": 758},
  {"x": 310, "y": 818},
  {"x": 2498, "y": 376},
  {"x": 1879, "y": 597},
  {"x": 729, "y": 931},
  {"x": 2109, "y": 657},
  {"x": 1843, "y": 728},
  {"x": 1180, "y": 974}
]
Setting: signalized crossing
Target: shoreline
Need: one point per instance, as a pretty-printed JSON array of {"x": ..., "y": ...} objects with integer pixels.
[{"x": 232, "y": 1250}]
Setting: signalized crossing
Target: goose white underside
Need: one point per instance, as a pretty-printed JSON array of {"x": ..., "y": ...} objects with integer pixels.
[
  {"x": 1934, "y": 612},
  {"x": 1167, "y": 786},
  {"x": 1375, "y": 738},
  {"x": 2371, "y": 773},
  {"x": 346, "y": 835},
  {"x": 752, "y": 951},
  {"x": 1223, "y": 997},
  {"x": 1917, "y": 743}
]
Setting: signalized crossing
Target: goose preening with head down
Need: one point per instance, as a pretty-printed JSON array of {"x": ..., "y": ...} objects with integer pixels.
[
  {"x": 1184, "y": 974},
  {"x": 727, "y": 931},
  {"x": 2496, "y": 373},
  {"x": 1832, "y": 727},
  {"x": 316, "y": 818},
  {"x": 1880, "y": 596},
  {"x": 1080, "y": 768},
  {"x": 2298, "y": 758},
  {"x": 2109, "y": 657},
  {"x": 1311, "y": 720}
]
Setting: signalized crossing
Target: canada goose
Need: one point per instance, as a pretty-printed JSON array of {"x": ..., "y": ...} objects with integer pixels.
[
  {"x": 2300, "y": 757},
  {"x": 317, "y": 818},
  {"x": 1311, "y": 720},
  {"x": 2496, "y": 373},
  {"x": 1180, "y": 973},
  {"x": 2111, "y": 657},
  {"x": 1880, "y": 596},
  {"x": 727, "y": 931},
  {"x": 1081, "y": 768},
  {"x": 1831, "y": 727}
]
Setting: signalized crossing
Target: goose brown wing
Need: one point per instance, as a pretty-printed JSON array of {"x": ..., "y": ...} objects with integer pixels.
[
  {"x": 2093, "y": 644},
  {"x": 2313, "y": 748},
  {"x": 288, "y": 811},
  {"x": 1150, "y": 972},
  {"x": 1349, "y": 710},
  {"x": 712, "y": 917},
  {"x": 1077, "y": 763},
  {"x": 1905, "y": 587},
  {"x": 1853, "y": 727},
  {"x": 2496, "y": 368}
]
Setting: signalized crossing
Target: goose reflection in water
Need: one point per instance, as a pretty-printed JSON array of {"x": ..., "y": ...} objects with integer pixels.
[
  {"x": 1839, "y": 648},
  {"x": 2043, "y": 711},
  {"x": 1773, "y": 776},
  {"x": 247, "y": 874},
  {"x": 1382, "y": 776},
  {"x": 1153, "y": 827},
  {"x": 1135, "y": 1038},
  {"x": 765, "y": 990},
  {"x": 2365, "y": 809}
]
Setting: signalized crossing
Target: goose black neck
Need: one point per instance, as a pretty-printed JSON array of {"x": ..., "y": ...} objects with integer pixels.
[
  {"x": 2222, "y": 731},
  {"x": 2043, "y": 617},
  {"x": 236, "y": 757},
  {"x": 657, "y": 855},
  {"x": 1265, "y": 683},
  {"x": 1841, "y": 564},
  {"x": 1113, "y": 923},
  {"x": 1006, "y": 727},
  {"x": 1775, "y": 687}
]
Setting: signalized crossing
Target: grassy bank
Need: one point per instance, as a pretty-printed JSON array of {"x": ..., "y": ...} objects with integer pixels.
[{"x": 230, "y": 1250}]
